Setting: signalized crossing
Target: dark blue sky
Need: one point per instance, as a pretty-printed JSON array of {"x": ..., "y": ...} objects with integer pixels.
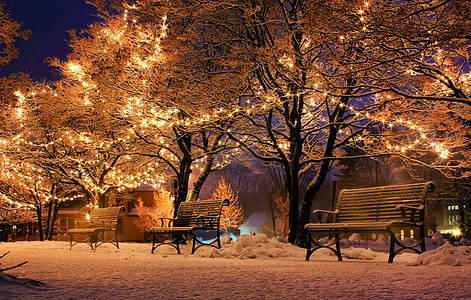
[{"x": 49, "y": 20}]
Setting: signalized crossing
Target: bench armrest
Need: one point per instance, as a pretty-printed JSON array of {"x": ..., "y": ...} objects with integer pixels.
[
  {"x": 414, "y": 210},
  {"x": 319, "y": 213}
]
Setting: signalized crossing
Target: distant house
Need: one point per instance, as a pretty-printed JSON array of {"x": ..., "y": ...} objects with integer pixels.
[
  {"x": 447, "y": 215},
  {"x": 258, "y": 223}
]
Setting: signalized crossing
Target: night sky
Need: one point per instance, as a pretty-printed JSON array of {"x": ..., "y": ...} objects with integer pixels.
[{"x": 49, "y": 20}]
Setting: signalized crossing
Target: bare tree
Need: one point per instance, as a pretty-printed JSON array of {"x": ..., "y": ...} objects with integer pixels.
[{"x": 318, "y": 75}]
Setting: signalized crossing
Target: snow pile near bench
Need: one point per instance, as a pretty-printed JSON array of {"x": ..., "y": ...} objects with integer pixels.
[
  {"x": 261, "y": 247},
  {"x": 445, "y": 255},
  {"x": 253, "y": 246}
]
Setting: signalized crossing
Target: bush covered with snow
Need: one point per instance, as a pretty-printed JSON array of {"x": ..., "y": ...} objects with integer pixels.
[{"x": 445, "y": 255}]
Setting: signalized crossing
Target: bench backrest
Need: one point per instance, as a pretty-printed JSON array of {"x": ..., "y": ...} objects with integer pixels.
[
  {"x": 378, "y": 204},
  {"x": 106, "y": 214},
  {"x": 190, "y": 212}
]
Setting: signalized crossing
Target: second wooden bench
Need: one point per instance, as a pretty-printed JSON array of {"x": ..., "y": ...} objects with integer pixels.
[
  {"x": 374, "y": 210},
  {"x": 192, "y": 217}
]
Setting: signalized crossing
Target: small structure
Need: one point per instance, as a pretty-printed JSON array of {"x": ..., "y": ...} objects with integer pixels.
[{"x": 258, "y": 223}]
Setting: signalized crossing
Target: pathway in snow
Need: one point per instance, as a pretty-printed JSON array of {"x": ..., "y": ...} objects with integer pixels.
[{"x": 259, "y": 269}]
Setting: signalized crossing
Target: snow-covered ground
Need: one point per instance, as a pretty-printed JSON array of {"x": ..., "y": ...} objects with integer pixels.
[{"x": 253, "y": 267}]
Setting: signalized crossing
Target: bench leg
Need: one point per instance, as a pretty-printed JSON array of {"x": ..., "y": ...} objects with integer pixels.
[
  {"x": 153, "y": 243},
  {"x": 317, "y": 246},
  {"x": 337, "y": 245},
  {"x": 88, "y": 241},
  {"x": 422, "y": 236},
  {"x": 193, "y": 248},
  {"x": 177, "y": 243},
  {"x": 392, "y": 246},
  {"x": 218, "y": 238},
  {"x": 308, "y": 252}
]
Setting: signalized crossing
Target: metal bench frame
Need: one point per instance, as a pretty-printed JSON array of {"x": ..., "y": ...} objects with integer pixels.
[
  {"x": 101, "y": 220},
  {"x": 374, "y": 210},
  {"x": 192, "y": 217}
]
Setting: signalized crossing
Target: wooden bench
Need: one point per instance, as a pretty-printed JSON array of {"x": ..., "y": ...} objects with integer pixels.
[
  {"x": 192, "y": 217},
  {"x": 374, "y": 210},
  {"x": 101, "y": 221}
]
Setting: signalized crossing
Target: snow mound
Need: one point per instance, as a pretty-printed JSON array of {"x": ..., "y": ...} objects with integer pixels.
[
  {"x": 261, "y": 247},
  {"x": 254, "y": 246},
  {"x": 381, "y": 241},
  {"x": 359, "y": 253},
  {"x": 445, "y": 255},
  {"x": 438, "y": 239}
]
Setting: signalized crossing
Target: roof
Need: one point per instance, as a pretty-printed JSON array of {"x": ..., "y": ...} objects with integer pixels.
[{"x": 256, "y": 220}]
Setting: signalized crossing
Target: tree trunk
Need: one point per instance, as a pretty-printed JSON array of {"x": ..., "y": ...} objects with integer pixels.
[
  {"x": 53, "y": 220},
  {"x": 40, "y": 222},
  {"x": 183, "y": 174},
  {"x": 210, "y": 156},
  {"x": 317, "y": 182},
  {"x": 102, "y": 200},
  {"x": 293, "y": 196},
  {"x": 309, "y": 196},
  {"x": 49, "y": 217},
  {"x": 198, "y": 184}
]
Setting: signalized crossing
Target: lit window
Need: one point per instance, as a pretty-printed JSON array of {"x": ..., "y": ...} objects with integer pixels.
[
  {"x": 402, "y": 234},
  {"x": 453, "y": 220},
  {"x": 411, "y": 232}
]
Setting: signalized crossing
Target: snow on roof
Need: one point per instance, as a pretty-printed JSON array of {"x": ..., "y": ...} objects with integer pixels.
[{"x": 256, "y": 220}]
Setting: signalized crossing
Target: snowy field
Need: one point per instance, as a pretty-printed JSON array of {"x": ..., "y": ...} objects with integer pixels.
[{"x": 254, "y": 267}]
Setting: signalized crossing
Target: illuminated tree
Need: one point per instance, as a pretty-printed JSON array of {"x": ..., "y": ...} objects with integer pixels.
[
  {"x": 125, "y": 69},
  {"x": 150, "y": 216},
  {"x": 27, "y": 151},
  {"x": 282, "y": 204},
  {"x": 233, "y": 214},
  {"x": 321, "y": 76},
  {"x": 10, "y": 32}
]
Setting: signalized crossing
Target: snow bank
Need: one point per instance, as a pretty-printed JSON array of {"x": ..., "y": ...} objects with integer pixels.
[
  {"x": 261, "y": 247},
  {"x": 253, "y": 246},
  {"x": 445, "y": 255},
  {"x": 359, "y": 253}
]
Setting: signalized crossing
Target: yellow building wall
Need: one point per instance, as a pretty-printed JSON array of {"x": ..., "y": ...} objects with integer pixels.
[{"x": 130, "y": 231}]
